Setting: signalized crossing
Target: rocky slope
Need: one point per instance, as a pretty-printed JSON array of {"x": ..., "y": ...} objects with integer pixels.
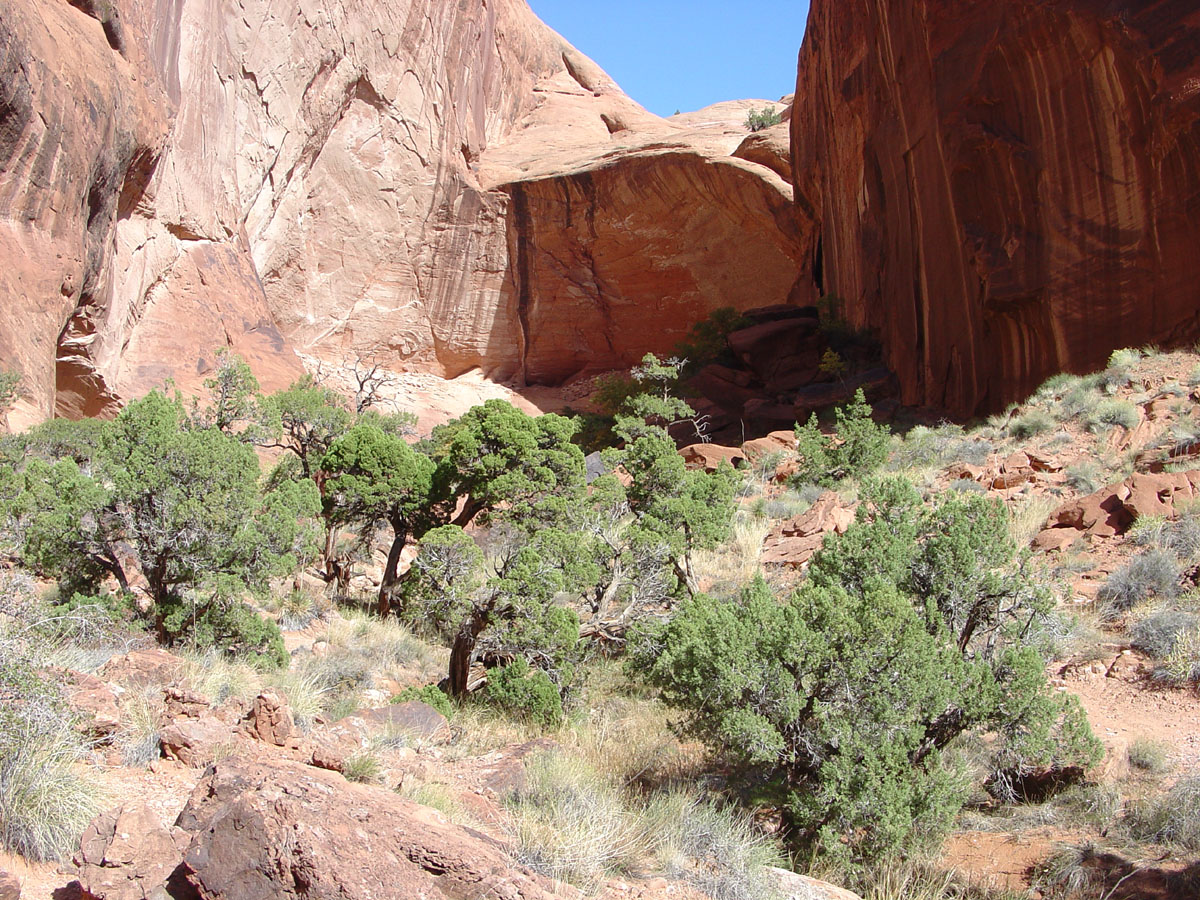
[
  {"x": 450, "y": 184},
  {"x": 1002, "y": 190}
]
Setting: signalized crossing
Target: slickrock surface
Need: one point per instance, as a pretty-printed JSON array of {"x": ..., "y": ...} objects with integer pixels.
[{"x": 1003, "y": 189}]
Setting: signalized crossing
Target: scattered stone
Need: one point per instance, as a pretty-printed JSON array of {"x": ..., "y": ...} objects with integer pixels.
[
  {"x": 96, "y": 704},
  {"x": 10, "y": 888},
  {"x": 270, "y": 719},
  {"x": 127, "y": 854},
  {"x": 195, "y": 742}
]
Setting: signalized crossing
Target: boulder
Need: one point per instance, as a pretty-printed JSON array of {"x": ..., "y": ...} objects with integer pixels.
[
  {"x": 270, "y": 719},
  {"x": 95, "y": 703},
  {"x": 795, "y": 541},
  {"x": 195, "y": 742},
  {"x": 774, "y": 443},
  {"x": 142, "y": 668},
  {"x": 794, "y": 886},
  {"x": 265, "y": 830},
  {"x": 127, "y": 854},
  {"x": 1111, "y": 510},
  {"x": 710, "y": 456},
  {"x": 784, "y": 354},
  {"x": 10, "y": 887}
]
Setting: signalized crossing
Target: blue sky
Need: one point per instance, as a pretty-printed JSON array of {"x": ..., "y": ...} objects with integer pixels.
[{"x": 670, "y": 54}]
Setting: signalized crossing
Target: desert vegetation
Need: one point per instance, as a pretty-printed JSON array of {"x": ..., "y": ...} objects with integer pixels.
[{"x": 693, "y": 707}]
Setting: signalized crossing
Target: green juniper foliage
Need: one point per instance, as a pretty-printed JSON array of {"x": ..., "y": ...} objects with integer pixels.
[
  {"x": 375, "y": 477},
  {"x": 858, "y": 446},
  {"x": 909, "y": 632}
]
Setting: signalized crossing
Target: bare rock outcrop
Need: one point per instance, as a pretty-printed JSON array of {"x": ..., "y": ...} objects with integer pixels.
[
  {"x": 1001, "y": 191},
  {"x": 80, "y": 131},
  {"x": 1111, "y": 510},
  {"x": 127, "y": 854},
  {"x": 283, "y": 829}
]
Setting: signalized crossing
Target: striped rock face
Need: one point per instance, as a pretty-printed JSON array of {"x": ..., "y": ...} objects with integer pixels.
[{"x": 1003, "y": 190}]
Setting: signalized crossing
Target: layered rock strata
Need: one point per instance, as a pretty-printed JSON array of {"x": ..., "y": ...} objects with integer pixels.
[
  {"x": 1001, "y": 190},
  {"x": 450, "y": 186}
]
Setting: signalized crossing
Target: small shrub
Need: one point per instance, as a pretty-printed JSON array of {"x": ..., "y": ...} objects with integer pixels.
[
  {"x": 227, "y": 625},
  {"x": 758, "y": 119},
  {"x": 858, "y": 447},
  {"x": 1182, "y": 664},
  {"x": 525, "y": 693},
  {"x": 1079, "y": 402},
  {"x": 786, "y": 505},
  {"x": 967, "y": 486},
  {"x": 430, "y": 694},
  {"x": 1149, "y": 756},
  {"x": 1154, "y": 573},
  {"x": 1033, "y": 422},
  {"x": 1085, "y": 477},
  {"x": 1113, "y": 412},
  {"x": 362, "y": 767},
  {"x": 937, "y": 447},
  {"x": 1157, "y": 634},
  {"x": 1067, "y": 872},
  {"x": 298, "y": 610},
  {"x": 1193, "y": 378},
  {"x": 1173, "y": 818},
  {"x": 45, "y": 803},
  {"x": 568, "y": 823}
]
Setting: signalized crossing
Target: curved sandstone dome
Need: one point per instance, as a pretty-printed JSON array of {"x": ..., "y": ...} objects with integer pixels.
[{"x": 451, "y": 185}]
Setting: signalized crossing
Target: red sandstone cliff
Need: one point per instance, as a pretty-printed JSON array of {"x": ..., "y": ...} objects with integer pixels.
[
  {"x": 1002, "y": 190},
  {"x": 450, "y": 183}
]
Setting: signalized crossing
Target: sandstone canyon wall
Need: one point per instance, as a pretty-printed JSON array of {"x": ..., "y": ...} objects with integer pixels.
[
  {"x": 1001, "y": 190},
  {"x": 447, "y": 183}
]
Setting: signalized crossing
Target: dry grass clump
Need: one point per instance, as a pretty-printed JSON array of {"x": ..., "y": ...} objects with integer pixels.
[
  {"x": 1153, "y": 573},
  {"x": 138, "y": 737},
  {"x": 1027, "y": 516},
  {"x": 1182, "y": 664},
  {"x": 736, "y": 561},
  {"x": 1149, "y": 756},
  {"x": 219, "y": 678},
  {"x": 571, "y": 823},
  {"x": 363, "y": 767},
  {"x": 1172, "y": 818},
  {"x": 716, "y": 850},
  {"x": 306, "y": 694},
  {"x": 45, "y": 799},
  {"x": 1031, "y": 423}
]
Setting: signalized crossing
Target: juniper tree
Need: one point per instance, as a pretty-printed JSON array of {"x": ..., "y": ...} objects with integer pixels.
[
  {"x": 374, "y": 477},
  {"x": 463, "y": 593},
  {"x": 913, "y": 628}
]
